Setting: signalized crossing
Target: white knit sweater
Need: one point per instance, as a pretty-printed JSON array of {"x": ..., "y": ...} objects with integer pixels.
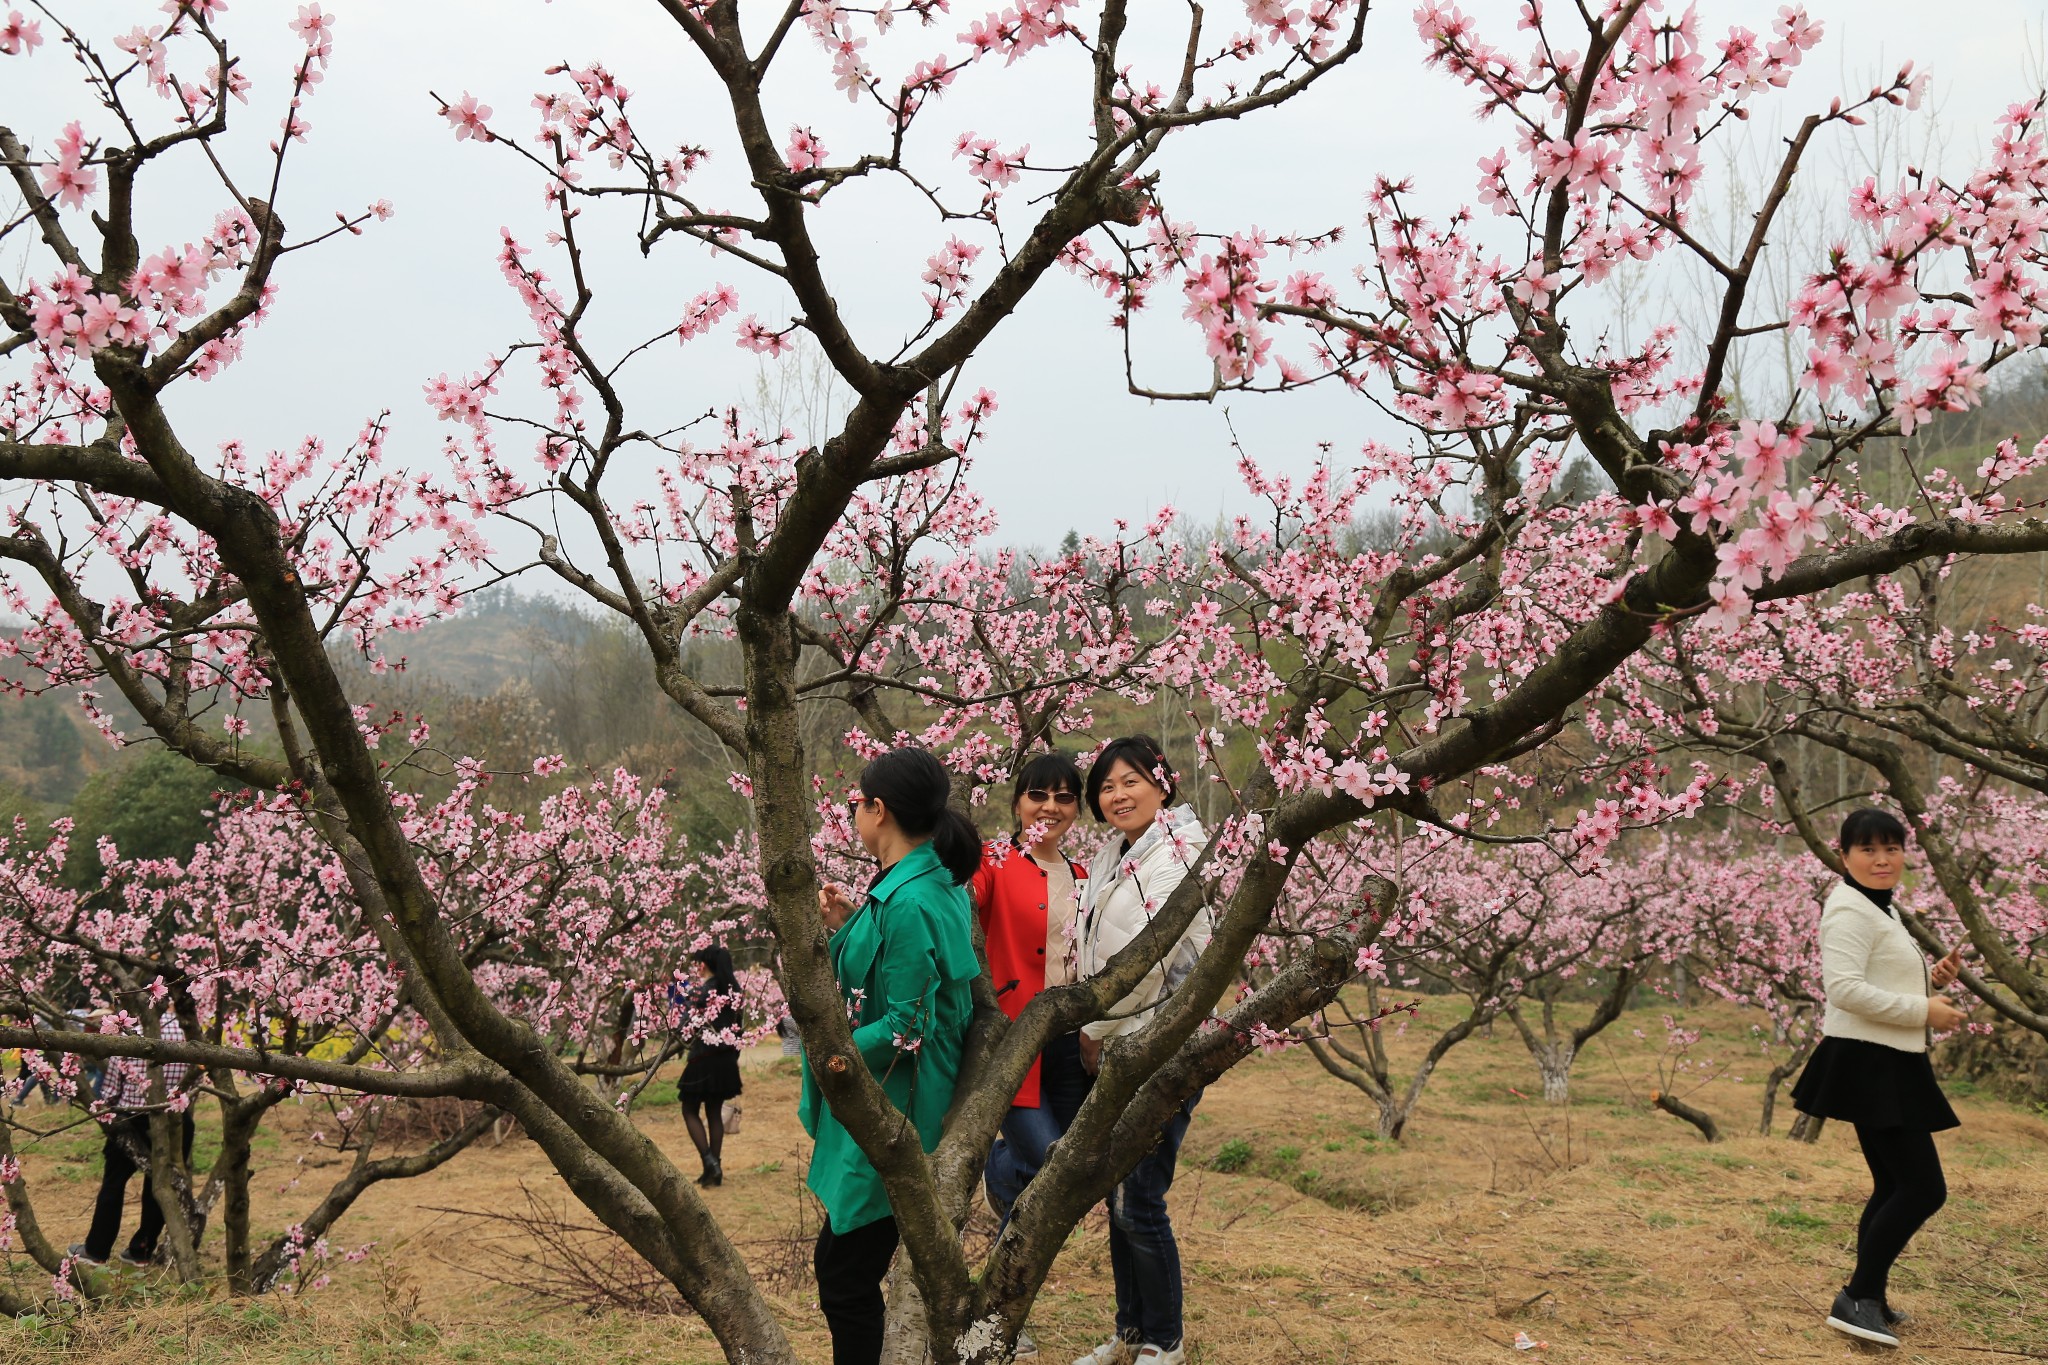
[{"x": 1873, "y": 973}]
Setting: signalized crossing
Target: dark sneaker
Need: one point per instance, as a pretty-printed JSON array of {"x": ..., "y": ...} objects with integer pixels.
[
  {"x": 79, "y": 1253},
  {"x": 129, "y": 1256},
  {"x": 1861, "y": 1318},
  {"x": 1027, "y": 1349},
  {"x": 1896, "y": 1317}
]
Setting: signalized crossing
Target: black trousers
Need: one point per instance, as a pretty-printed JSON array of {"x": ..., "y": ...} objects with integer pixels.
[
  {"x": 851, "y": 1267},
  {"x": 125, "y": 1136},
  {"x": 1906, "y": 1189}
]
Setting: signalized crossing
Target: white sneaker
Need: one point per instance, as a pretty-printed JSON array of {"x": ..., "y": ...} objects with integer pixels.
[
  {"x": 1027, "y": 1349},
  {"x": 1115, "y": 1351},
  {"x": 1161, "y": 1355}
]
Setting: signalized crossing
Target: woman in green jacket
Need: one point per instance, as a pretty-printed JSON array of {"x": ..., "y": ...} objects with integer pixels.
[{"x": 904, "y": 956}]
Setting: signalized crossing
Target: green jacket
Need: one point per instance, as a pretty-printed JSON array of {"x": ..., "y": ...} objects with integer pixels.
[{"x": 905, "y": 962}]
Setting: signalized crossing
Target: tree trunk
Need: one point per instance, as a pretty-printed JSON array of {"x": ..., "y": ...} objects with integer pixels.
[
  {"x": 1392, "y": 1117},
  {"x": 1698, "y": 1118},
  {"x": 1806, "y": 1128},
  {"x": 1770, "y": 1107},
  {"x": 171, "y": 1183},
  {"x": 1553, "y": 1055},
  {"x": 238, "y": 1123},
  {"x": 907, "y": 1338},
  {"x": 22, "y": 1210},
  {"x": 1778, "y": 1076}
]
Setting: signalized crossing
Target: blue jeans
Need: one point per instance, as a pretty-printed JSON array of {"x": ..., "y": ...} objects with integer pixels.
[
  {"x": 1143, "y": 1256},
  {"x": 1029, "y": 1133}
]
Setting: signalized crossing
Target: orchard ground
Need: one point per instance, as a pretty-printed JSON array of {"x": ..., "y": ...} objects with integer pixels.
[{"x": 1603, "y": 1228}]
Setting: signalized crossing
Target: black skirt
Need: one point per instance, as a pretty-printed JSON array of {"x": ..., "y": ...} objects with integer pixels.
[
  {"x": 711, "y": 1073},
  {"x": 1857, "y": 1081}
]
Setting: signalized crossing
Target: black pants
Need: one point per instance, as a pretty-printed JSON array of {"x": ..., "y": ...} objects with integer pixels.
[
  {"x": 126, "y": 1135},
  {"x": 851, "y": 1267},
  {"x": 1907, "y": 1188}
]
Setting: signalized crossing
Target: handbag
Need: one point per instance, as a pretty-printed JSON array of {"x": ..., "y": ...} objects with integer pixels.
[{"x": 730, "y": 1112}]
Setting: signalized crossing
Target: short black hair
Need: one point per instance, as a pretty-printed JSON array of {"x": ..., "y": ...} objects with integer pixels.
[
  {"x": 1141, "y": 752},
  {"x": 1053, "y": 772},
  {"x": 1871, "y": 826}
]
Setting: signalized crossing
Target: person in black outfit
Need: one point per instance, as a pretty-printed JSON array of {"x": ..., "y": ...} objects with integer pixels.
[
  {"x": 711, "y": 1072},
  {"x": 1871, "y": 1070}
]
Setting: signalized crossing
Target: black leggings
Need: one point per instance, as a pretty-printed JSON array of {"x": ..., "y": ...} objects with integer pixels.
[
  {"x": 1907, "y": 1188},
  {"x": 706, "y": 1121}
]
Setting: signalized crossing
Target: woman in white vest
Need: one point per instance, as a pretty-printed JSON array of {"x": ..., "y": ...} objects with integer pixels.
[
  {"x": 1871, "y": 1070},
  {"x": 1131, "y": 788}
]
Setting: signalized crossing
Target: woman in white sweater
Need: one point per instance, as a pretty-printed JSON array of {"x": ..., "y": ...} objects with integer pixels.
[
  {"x": 1131, "y": 788},
  {"x": 1871, "y": 1070}
]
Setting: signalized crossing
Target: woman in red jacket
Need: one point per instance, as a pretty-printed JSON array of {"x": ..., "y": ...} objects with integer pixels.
[{"x": 1026, "y": 896}]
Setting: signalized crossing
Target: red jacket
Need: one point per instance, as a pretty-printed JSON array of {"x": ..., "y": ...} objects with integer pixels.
[{"x": 1009, "y": 899}]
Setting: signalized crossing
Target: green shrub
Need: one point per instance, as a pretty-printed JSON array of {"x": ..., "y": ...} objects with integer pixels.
[
  {"x": 1794, "y": 1217},
  {"x": 1233, "y": 1155}
]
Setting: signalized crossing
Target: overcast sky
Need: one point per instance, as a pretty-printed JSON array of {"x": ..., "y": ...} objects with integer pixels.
[{"x": 361, "y": 324}]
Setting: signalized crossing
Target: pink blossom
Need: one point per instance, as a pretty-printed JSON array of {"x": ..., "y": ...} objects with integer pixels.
[
  {"x": 19, "y": 36},
  {"x": 757, "y": 336},
  {"x": 68, "y": 180},
  {"x": 1731, "y": 606},
  {"x": 468, "y": 118},
  {"x": 805, "y": 152}
]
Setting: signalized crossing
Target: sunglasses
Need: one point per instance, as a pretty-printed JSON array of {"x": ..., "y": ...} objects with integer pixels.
[
  {"x": 854, "y": 803},
  {"x": 1061, "y": 799}
]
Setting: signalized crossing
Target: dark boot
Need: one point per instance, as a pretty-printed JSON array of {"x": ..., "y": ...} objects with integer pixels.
[{"x": 1861, "y": 1318}]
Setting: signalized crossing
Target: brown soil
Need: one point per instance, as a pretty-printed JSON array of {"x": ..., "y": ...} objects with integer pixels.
[{"x": 1605, "y": 1229}]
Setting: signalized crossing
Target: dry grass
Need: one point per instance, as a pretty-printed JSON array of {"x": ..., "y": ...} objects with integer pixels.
[{"x": 1607, "y": 1230}]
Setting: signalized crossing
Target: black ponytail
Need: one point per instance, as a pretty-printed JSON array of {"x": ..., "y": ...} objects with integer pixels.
[
  {"x": 915, "y": 789},
  {"x": 958, "y": 844}
]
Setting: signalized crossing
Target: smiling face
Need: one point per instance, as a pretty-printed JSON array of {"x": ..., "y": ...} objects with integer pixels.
[
  {"x": 1130, "y": 799},
  {"x": 1876, "y": 863},
  {"x": 1055, "y": 808}
]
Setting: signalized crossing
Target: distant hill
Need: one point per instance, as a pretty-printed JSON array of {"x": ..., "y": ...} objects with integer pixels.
[
  {"x": 49, "y": 747},
  {"x": 514, "y": 673},
  {"x": 500, "y": 636}
]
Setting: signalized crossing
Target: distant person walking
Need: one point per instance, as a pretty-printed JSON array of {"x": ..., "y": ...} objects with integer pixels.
[
  {"x": 904, "y": 958},
  {"x": 128, "y": 1149},
  {"x": 1871, "y": 1070},
  {"x": 1131, "y": 787},
  {"x": 711, "y": 1071},
  {"x": 1027, "y": 897}
]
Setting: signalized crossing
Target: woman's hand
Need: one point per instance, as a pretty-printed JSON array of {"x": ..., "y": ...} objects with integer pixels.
[
  {"x": 1946, "y": 969},
  {"x": 835, "y": 904},
  {"x": 1091, "y": 1054},
  {"x": 1942, "y": 1016}
]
